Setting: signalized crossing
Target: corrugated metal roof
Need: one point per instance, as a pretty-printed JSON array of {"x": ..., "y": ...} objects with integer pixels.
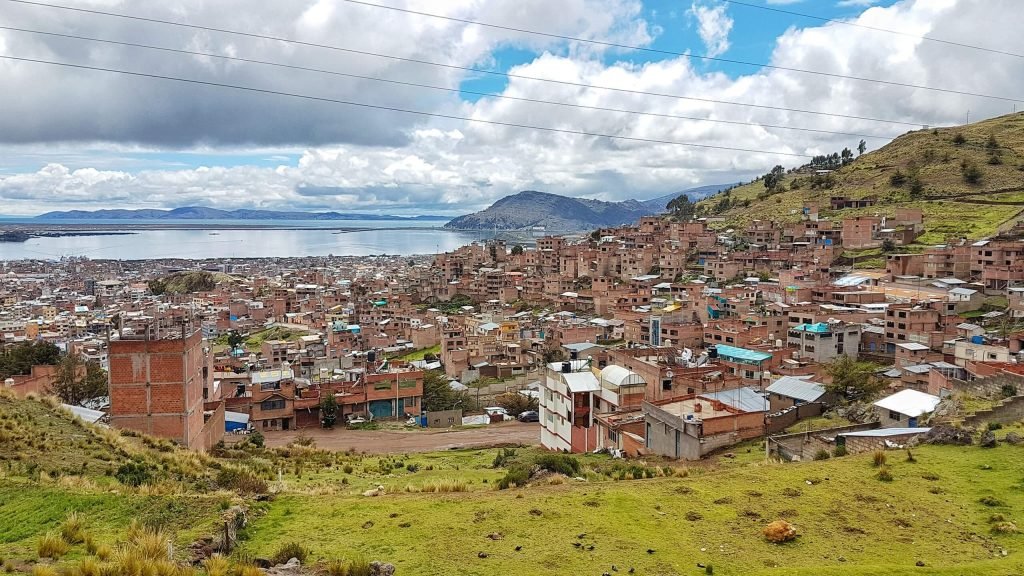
[
  {"x": 746, "y": 399},
  {"x": 581, "y": 382},
  {"x": 909, "y": 402},
  {"x": 742, "y": 353},
  {"x": 798, "y": 388},
  {"x": 884, "y": 432}
]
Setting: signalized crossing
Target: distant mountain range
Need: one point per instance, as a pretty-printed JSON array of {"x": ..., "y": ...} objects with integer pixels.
[
  {"x": 530, "y": 208},
  {"x": 203, "y": 213}
]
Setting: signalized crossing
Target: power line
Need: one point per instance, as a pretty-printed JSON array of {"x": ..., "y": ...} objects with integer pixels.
[
  {"x": 402, "y": 110},
  {"x": 875, "y": 28},
  {"x": 679, "y": 54},
  {"x": 434, "y": 87},
  {"x": 456, "y": 67}
]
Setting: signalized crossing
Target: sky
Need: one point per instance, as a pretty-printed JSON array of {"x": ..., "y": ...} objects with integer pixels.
[{"x": 73, "y": 138}]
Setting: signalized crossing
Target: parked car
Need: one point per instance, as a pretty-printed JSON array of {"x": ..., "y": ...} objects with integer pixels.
[
  {"x": 492, "y": 410},
  {"x": 529, "y": 416}
]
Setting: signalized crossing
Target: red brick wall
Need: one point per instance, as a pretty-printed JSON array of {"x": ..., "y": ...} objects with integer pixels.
[{"x": 156, "y": 387}]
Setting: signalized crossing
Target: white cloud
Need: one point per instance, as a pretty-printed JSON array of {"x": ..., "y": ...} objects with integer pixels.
[
  {"x": 713, "y": 26},
  {"x": 447, "y": 166},
  {"x": 856, "y": 3}
]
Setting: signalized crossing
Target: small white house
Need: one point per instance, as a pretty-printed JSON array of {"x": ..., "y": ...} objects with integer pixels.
[{"x": 905, "y": 408}]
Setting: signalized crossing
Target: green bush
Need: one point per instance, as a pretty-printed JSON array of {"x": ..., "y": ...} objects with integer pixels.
[
  {"x": 995, "y": 426},
  {"x": 517, "y": 475},
  {"x": 241, "y": 480},
  {"x": 559, "y": 463},
  {"x": 504, "y": 457},
  {"x": 290, "y": 550},
  {"x": 884, "y": 475},
  {"x": 257, "y": 440},
  {"x": 839, "y": 451},
  {"x": 822, "y": 454},
  {"x": 133, "y": 474}
]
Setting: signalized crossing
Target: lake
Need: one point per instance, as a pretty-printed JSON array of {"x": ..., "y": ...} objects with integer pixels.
[{"x": 217, "y": 240}]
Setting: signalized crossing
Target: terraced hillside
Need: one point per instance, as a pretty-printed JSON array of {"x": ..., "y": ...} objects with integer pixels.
[{"x": 968, "y": 181}]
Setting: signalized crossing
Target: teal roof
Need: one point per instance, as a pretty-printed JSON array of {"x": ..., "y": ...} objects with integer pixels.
[
  {"x": 819, "y": 328},
  {"x": 741, "y": 354}
]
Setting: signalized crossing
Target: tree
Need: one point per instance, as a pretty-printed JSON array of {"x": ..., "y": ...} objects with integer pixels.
[
  {"x": 853, "y": 380},
  {"x": 77, "y": 381},
  {"x": 681, "y": 208},
  {"x": 21, "y": 358},
  {"x": 328, "y": 410},
  {"x": 438, "y": 394},
  {"x": 861, "y": 147},
  {"x": 847, "y": 156},
  {"x": 774, "y": 178},
  {"x": 235, "y": 339},
  {"x": 517, "y": 250},
  {"x": 888, "y": 245},
  {"x": 515, "y": 403}
]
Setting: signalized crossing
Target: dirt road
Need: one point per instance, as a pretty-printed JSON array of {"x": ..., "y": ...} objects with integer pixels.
[{"x": 402, "y": 441}]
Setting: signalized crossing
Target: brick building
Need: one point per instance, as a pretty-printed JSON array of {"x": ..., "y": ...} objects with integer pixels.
[{"x": 158, "y": 386}]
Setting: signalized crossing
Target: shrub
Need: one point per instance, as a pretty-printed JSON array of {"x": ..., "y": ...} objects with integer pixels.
[
  {"x": 971, "y": 172},
  {"x": 959, "y": 139},
  {"x": 349, "y": 567},
  {"x": 839, "y": 451},
  {"x": 257, "y": 440},
  {"x": 910, "y": 457},
  {"x": 503, "y": 457},
  {"x": 822, "y": 454},
  {"x": 445, "y": 485},
  {"x": 884, "y": 475},
  {"x": 1005, "y": 528},
  {"x": 779, "y": 531},
  {"x": 241, "y": 480},
  {"x": 516, "y": 476},
  {"x": 103, "y": 552},
  {"x": 43, "y": 570},
  {"x": 991, "y": 501},
  {"x": 347, "y": 469},
  {"x": 133, "y": 474},
  {"x": 51, "y": 545},
  {"x": 878, "y": 458},
  {"x": 91, "y": 546},
  {"x": 72, "y": 529},
  {"x": 290, "y": 550},
  {"x": 898, "y": 179},
  {"x": 995, "y": 426},
  {"x": 217, "y": 565},
  {"x": 559, "y": 463},
  {"x": 88, "y": 567},
  {"x": 412, "y": 467}
]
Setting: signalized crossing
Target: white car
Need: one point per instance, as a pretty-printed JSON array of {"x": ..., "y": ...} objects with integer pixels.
[{"x": 492, "y": 410}]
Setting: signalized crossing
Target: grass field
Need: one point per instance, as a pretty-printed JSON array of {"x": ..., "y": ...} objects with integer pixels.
[
  {"x": 939, "y": 509},
  {"x": 850, "y": 522}
]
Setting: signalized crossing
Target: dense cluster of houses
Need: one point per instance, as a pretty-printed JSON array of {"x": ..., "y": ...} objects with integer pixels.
[{"x": 666, "y": 337}]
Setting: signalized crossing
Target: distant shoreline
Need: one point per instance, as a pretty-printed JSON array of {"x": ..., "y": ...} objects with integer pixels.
[{"x": 56, "y": 226}]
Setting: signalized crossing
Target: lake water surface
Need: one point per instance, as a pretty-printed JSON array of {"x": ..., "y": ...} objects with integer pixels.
[{"x": 290, "y": 238}]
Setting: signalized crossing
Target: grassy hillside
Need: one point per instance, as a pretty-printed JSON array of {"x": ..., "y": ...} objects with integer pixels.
[
  {"x": 441, "y": 513},
  {"x": 927, "y": 169}
]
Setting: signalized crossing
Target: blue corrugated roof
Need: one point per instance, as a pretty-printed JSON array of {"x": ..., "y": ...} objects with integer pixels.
[
  {"x": 741, "y": 354},
  {"x": 819, "y": 328}
]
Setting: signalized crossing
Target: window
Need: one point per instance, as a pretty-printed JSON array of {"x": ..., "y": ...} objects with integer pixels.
[
  {"x": 272, "y": 404},
  {"x": 411, "y": 402},
  {"x": 895, "y": 416}
]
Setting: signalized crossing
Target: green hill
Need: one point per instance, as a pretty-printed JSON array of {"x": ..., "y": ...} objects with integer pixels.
[
  {"x": 187, "y": 282},
  {"x": 968, "y": 181},
  {"x": 948, "y": 510}
]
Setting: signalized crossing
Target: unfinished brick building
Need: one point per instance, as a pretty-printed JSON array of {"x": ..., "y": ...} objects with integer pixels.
[{"x": 156, "y": 387}]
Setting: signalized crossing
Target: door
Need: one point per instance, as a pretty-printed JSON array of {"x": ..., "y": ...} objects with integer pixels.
[{"x": 382, "y": 409}]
